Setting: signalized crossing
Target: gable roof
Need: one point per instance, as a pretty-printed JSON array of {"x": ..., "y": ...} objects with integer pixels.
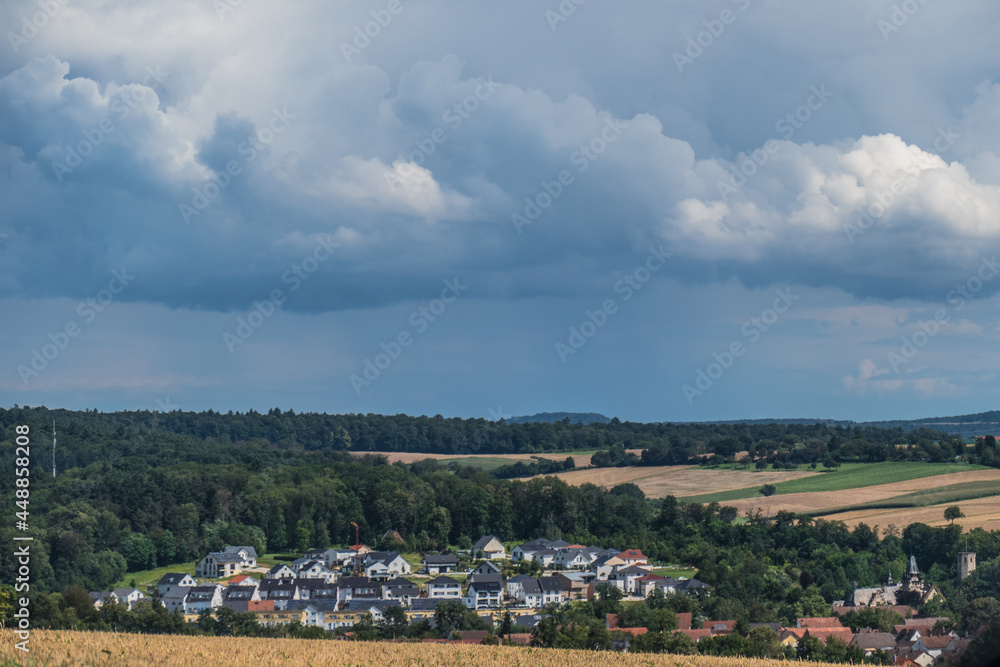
[
  {"x": 820, "y": 622},
  {"x": 484, "y": 540},
  {"x": 251, "y": 552},
  {"x": 531, "y": 587},
  {"x": 441, "y": 559},
  {"x": 874, "y": 640},
  {"x": 551, "y": 584},
  {"x": 172, "y": 578},
  {"x": 486, "y": 586},
  {"x": 824, "y": 634}
]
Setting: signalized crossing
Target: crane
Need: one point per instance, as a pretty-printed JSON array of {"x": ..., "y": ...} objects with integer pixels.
[{"x": 357, "y": 543}]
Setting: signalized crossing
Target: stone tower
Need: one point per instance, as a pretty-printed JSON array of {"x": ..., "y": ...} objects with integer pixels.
[{"x": 966, "y": 564}]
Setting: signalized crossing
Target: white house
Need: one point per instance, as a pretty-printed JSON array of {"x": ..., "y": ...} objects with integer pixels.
[
  {"x": 551, "y": 590},
  {"x": 176, "y": 599},
  {"x": 226, "y": 563},
  {"x": 313, "y": 569},
  {"x": 385, "y": 565},
  {"x": 444, "y": 588},
  {"x": 128, "y": 596},
  {"x": 572, "y": 559},
  {"x": 206, "y": 596},
  {"x": 487, "y": 568},
  {"x": 483, "y": 595},
  {"x": 172, "y": 580},
  {"x": 333, "y": 558}
]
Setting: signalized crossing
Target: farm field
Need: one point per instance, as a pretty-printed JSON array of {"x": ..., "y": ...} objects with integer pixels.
[
  {"x": 851, "y": 476},
  {"x": 922, "y": 499},
  {"x": 489, "y": 461},
  {"x": 65, "y": 647},
  {"x": 680, "y": 481},
  {"x": 979, "y": 513}
]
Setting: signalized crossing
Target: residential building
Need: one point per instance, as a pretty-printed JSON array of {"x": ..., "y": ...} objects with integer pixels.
[
  {"x": 484, "y": 595},
  {"x": 444, "y": 588},
  {"x": 439, "y": 564},
  {"x": 489, "y": 547},
  {"x": 172, "y": 580},
  {"x": 205, "y": 596}
]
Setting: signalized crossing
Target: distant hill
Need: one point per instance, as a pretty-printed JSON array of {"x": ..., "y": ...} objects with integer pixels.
[
  {"x": 553, "y": 417},
  {"x": 816, "y": 420},
  {"x": 982, "y": 423}
]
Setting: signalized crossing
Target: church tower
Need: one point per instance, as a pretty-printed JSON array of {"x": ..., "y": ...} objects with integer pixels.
[{"x": 966, "y": 564}]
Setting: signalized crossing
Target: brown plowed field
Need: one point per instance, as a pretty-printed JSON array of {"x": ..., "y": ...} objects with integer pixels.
[{"x": 660, "y": 481}]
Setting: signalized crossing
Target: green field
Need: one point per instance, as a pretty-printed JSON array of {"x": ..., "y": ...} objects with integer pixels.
[
  {"x": 848, "y": 476},
  {"x": 144, "y": 578},
  {"x": 484, "y": 463},
  {"x": 676, "y": 573}
]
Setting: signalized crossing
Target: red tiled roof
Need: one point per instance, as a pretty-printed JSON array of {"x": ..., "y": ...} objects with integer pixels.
[
  {"x": 684, "y": 621},
  {"x": 820, "y": 622},
  {"x": 695, "y": 634},
  {"x": 823, "y": 634}
]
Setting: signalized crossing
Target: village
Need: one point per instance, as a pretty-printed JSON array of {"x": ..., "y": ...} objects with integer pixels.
[{"x": 337, "y": 588}]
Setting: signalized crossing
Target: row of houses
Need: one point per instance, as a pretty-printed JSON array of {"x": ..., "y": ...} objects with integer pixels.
[{"x": 915, "y": 643}]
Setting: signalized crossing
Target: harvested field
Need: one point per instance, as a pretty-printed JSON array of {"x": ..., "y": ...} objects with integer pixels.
[
  {"x": 581, "y": 460},
  {"x": 660, "y": 481},
  {"x": 819, "y": 501},
  {"x": 66, "y": 647},
  {"x": 980, "y": 513}
]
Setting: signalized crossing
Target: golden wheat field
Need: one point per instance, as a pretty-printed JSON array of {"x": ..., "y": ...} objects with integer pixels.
[
  {"x": 69, "y": 648},
  {"x": 979, "y": 513}
]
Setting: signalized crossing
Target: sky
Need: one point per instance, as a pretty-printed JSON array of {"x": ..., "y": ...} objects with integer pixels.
[{"x": 659, "y": 211}]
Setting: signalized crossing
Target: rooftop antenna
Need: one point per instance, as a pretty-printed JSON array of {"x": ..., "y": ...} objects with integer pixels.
[{"x": 53, "y": 448}]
